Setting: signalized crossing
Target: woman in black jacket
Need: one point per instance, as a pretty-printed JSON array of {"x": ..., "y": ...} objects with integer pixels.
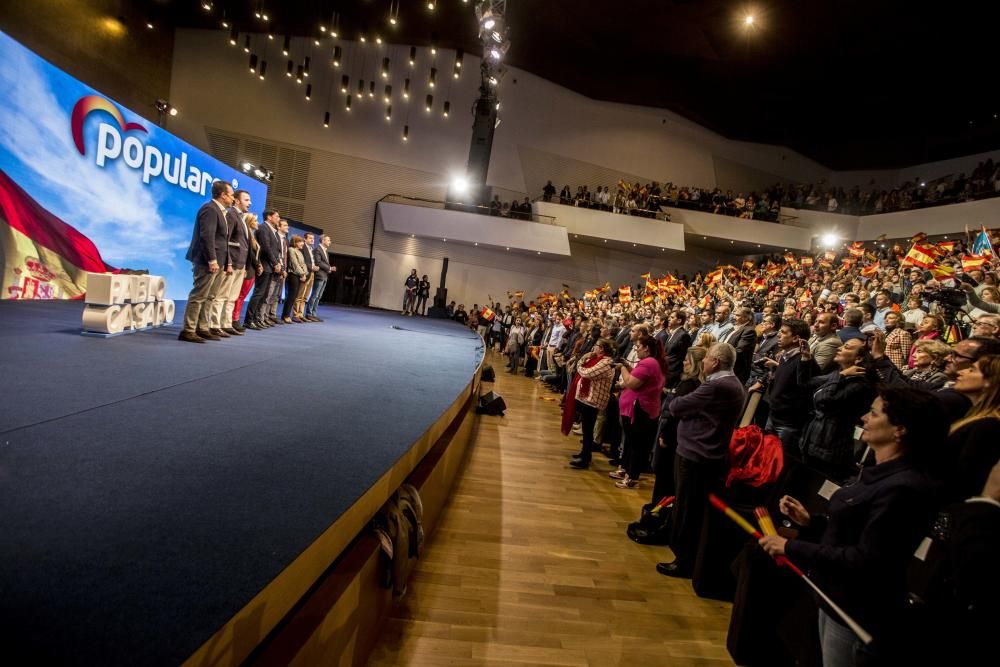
[
  {"x": 858, "y": 554},
  {"x": 839, "y": 400},
  {"x": 666, "y": 438}
]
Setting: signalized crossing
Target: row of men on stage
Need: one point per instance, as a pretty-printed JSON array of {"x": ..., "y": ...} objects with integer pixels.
[{"x": 231, "y": 254}]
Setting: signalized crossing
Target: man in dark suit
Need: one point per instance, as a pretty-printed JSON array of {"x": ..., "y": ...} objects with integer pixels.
[
  {"x": 239, "y": 253},
  {"x": 278, "y": 279},
  {"x": 708, "y": 416},
  {"x": 270, "y": 261},
  {"x": 676, "y": 346},
  {"x": 744, "y": 339},
  {"x": 209, "y": 256},
  {"x": 322, "y": 257},
  {"x": 305, "y": 288}
]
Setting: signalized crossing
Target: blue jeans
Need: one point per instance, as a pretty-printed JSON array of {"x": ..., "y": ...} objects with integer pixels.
[
  {"x": 317, "y": 292},
  {"x": 789, "y": 436},
  {"x": 838, "y": 644}
]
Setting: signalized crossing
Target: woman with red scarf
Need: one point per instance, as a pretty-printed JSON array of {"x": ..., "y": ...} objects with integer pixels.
[{"x": 591, "y": 388}]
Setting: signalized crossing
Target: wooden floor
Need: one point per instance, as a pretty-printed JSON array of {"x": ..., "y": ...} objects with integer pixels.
[{"x": 530, "y": 563}]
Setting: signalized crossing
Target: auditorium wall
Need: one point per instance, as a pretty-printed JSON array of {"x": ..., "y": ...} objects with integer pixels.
[{"x": 104, "y": 43}]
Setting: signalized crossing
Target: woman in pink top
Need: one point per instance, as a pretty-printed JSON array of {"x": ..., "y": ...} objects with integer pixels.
[{"x": 639, "y": 407}]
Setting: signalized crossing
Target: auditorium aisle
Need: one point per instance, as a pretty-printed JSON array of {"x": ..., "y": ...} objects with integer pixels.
[{"x": 530, "y": 563}]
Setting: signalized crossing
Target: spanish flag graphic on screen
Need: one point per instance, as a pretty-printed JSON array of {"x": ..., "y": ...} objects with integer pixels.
[{"x": 42, "y": 256}]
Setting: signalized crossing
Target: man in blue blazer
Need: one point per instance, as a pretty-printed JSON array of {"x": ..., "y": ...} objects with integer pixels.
[
  {"x": 209, "y": 257},
  {"x": 271, "y": 263}
]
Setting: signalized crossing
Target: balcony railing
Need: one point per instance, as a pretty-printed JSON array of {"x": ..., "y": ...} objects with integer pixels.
[{"x": 478, "y": 209}]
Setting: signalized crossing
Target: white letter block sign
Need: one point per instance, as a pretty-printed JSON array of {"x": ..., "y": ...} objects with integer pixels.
[
  {"x": 107, "y": 289},
  {"x": 140, "y": 289},
  {"x": 107, "y": 319},
  {"x": 157, "y": 288},
  {"x": 164, "y": 313}
]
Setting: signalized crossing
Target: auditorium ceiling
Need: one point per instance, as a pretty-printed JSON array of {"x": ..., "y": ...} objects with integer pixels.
[{"x": 852, "y": 84}]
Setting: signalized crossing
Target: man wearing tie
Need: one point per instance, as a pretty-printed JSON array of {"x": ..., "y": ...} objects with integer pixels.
[
  {"x": 322, "y": 257},
  {"x": 239, "y": 253},
  {"x": 270, "y": 261},
  {"x": 209, "y": 255}
]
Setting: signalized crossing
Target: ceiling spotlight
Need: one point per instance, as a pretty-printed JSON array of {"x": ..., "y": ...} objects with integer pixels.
[
  {"x": 388, "y": 112},
  {"x": 207, "y": 6},
  {"x": 406, "y": 133},
  {"x": 388, "y": 94},
  {"x": 434, "y": 50},
  {"x": 298, "y": 74},
  {"x": 253, "y": 63},
  {"x": 406, "y": 89},
  {"x": 225, "y": 25},
  {"x": 748, "y": 21},
  {"x": 345, "y": 82},
  {"x": 459, "y": 184},
  {"x": 265, "y": 17},
  {"x": 457, "y": 74},
  {"x": 149, "y": 25},
  {"x": 309, "y": 91},
  {"x": 361, "y": 87},
  {"x": 430, "y": 102},
  {"x": 371, "y": 89},
  {"x": 316, "y": 41},
  {"x": 385, "y": 68},
  {"x": 263, "y": 69},
  {"x": 392, "y": 20},
  {"x": 433, "y": 77},
  {"x": 413, "y": 56},
  {"x": 287, "y": 45},
  {"x": 270, "y": 36},
  {"x": 172, "y": 111},
  {"x": 378, "y": 40},
  {"x": 430, "y": 5},
  {"x": 447, "y": 109},
  {"x": 246, "y": 44},
  {"x": 362, "y": 38},
  {"x": 347, "y": 104},
  {"x": 337, "y": 54},
  {"x": 305, "y": 66},
  {"x": 233, "y": 35},
  {"x": 458, "y": 59},
  {"x": 829, "y": 240}
]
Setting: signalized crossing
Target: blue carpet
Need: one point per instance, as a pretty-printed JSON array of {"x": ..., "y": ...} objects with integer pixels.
[{"x": 150, "y": 488}]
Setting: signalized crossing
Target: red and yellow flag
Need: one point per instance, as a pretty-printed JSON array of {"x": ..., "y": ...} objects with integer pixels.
[
  {"x": 43, "y": 257},
  {"x": 921, "y": 255},
  {"x": 807, "y": 261},
  {"x": 758, "y": 284},
  {"x": 857, "y": 249},
  {"x": 942, "y": 271},
  {"x": 869, "y": 271},
  {"x": 487, "y": 314},
  {"x": 973, "y": 262},
  {"x": 714, "y": 277}
]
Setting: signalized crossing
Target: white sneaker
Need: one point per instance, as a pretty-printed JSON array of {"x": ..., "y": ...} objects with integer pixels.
[{"x": 618, "y": 474}]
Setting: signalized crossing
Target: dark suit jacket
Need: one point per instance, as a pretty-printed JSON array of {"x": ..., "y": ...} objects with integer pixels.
[
  {"x": 744, "y": 339},
  {"x": 310, "y": 261},
  {"x": 676, "y": 348},
  {"x": 323, "y": 261},
  {"x": 210, "y": 238},
  {"x": 239, "y": 242},
  {"x": 270, "y": 247}
]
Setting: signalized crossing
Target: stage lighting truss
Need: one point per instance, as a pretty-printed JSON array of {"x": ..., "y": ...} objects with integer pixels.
[{"x": 259, "y": 172}]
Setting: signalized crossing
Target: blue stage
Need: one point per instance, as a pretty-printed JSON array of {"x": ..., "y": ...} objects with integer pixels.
[{"x": 150, "y": 488}]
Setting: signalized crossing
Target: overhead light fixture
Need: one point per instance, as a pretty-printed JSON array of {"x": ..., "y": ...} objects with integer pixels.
[
  {"x": 149, "y": 25},
  {"x": 447, "y": 109},
  {"x": 233, "y": 35},
  {"x": 406, "y": 89},
  {"x": 263, "y": 69},
  {"x": 434, "y": 50},
  {"x": 378, "y": 40},
  {"x": 385, "y": 68},
  {"x": 347, "y": 104},
  {"x": 298, "y": 74},
  {"x": 291, "y": 68},
  {"x": 433, "y": 77},
  {"x": 413, "y": 56},
  {"x": 362, "y": 38},
  {"x": 207, "y": 6},
  {"x": 287, "y": 45},
  {"x": 337, "y": 54},
  {"x": 246, "y": 44},
  {"x": 459, "y": 54},
  {"x": 388, "y": 94},
  {"x": 305, "y": 67},
  {"x": 748, "y": 20},
  {"x": 429, "y": 103},
  {"x": 326, "y": 119},
  {"x": 345, "y": 82},
  {"x": 371, "y": 89},
  {"x": 388, "y": 112},
  {"x": 309, "y": 92},
  {"x": 253, "y": 63},
  {"x": 459, "y": 184},
  {"x": 406, "y": 133},
  {"x": 361, "y": 87},
  {"x": 430, "y": 5}
]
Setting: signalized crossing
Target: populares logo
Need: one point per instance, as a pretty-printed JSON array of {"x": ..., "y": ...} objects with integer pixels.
[{"x": 112, "y": 145}]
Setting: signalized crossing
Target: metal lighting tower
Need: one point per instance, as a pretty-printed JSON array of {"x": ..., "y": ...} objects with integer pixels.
[{"x": 494, "y": 37}]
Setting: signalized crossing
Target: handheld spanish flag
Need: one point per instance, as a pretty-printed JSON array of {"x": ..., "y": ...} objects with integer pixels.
[
  {"x": 519, "y": 294},
  {"x": 648, "y": 299},
  {"x": 857, "y": 249},
  {"x": 646, "y": 276},
  {"x": 973, "y": 262},
  {"x": 869, "y": 271},
  {"x": 921, "y": 255},
  {"x": 713, "y": 277},
  {"x": 782, "y": 561},
  {"x": 942, "y": 272},
  {"x": 758, "y": 284},
  {"x": 918, "y": 237},
  {"x": 487, "y": 314},
  {"x": 807, "y": 261}
]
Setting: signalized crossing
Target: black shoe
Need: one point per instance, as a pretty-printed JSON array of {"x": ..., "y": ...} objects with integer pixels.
[
  {"x": 316, "y": 319},
  {"x": 219, "y": 332},
  {"x": 208, "y": 335},
  {"x": 673, "y": 570},
  {"x": 232, "y": 332},
  {"x": 190, "y": 337},
  {"x": 251, "y": 326},
  {"x": 579, "y": 464},
  {"x": 238, "y": 325}
]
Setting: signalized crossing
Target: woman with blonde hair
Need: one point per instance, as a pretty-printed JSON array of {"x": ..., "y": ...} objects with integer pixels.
[
  {"x": 974, "y": 444},
  {"x": 253, "y": 270},
  {"x": 296, "y": 274},
  {"x": 929, "y": 359},
  {"x": 705, "y": 341},
  {"x": 692, "y": 376}
]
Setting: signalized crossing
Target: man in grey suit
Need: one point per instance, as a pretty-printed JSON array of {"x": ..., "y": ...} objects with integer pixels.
[
  {"x": 239, "y": 251},
  {"x": 322, "y": 257},
  {"x": 209, "y": 256},
  {"x": 707, "y": 417},
  {"x": 824, "y": 342},
  {"x": 278, "y": 279}
]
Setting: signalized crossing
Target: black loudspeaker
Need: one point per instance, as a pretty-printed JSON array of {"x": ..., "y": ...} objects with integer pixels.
[
  {"x": 491, "y": 404},
  {"x": 439, "y": 309},
  {"x": 488, "y": 374}
]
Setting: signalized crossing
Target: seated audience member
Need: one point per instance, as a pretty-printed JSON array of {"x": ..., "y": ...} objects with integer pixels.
[
  {"x": 898, "y": 341},
  {"x": 853, "y": 318},
  {"x": 639, "y": 408},
  {"x": 974, "y": 444},
  {"x": 987, "y": 326},
  {"x": 707, "y": 417},
  {"x": 914, "y": 312},
  {"x": 692, "y": 375},
  {"x": 838, "y": 401},
  {"x": 857, "y": 555},
  {"x": 929, "y": 359},
  {"x": 596, "y": 372}
]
